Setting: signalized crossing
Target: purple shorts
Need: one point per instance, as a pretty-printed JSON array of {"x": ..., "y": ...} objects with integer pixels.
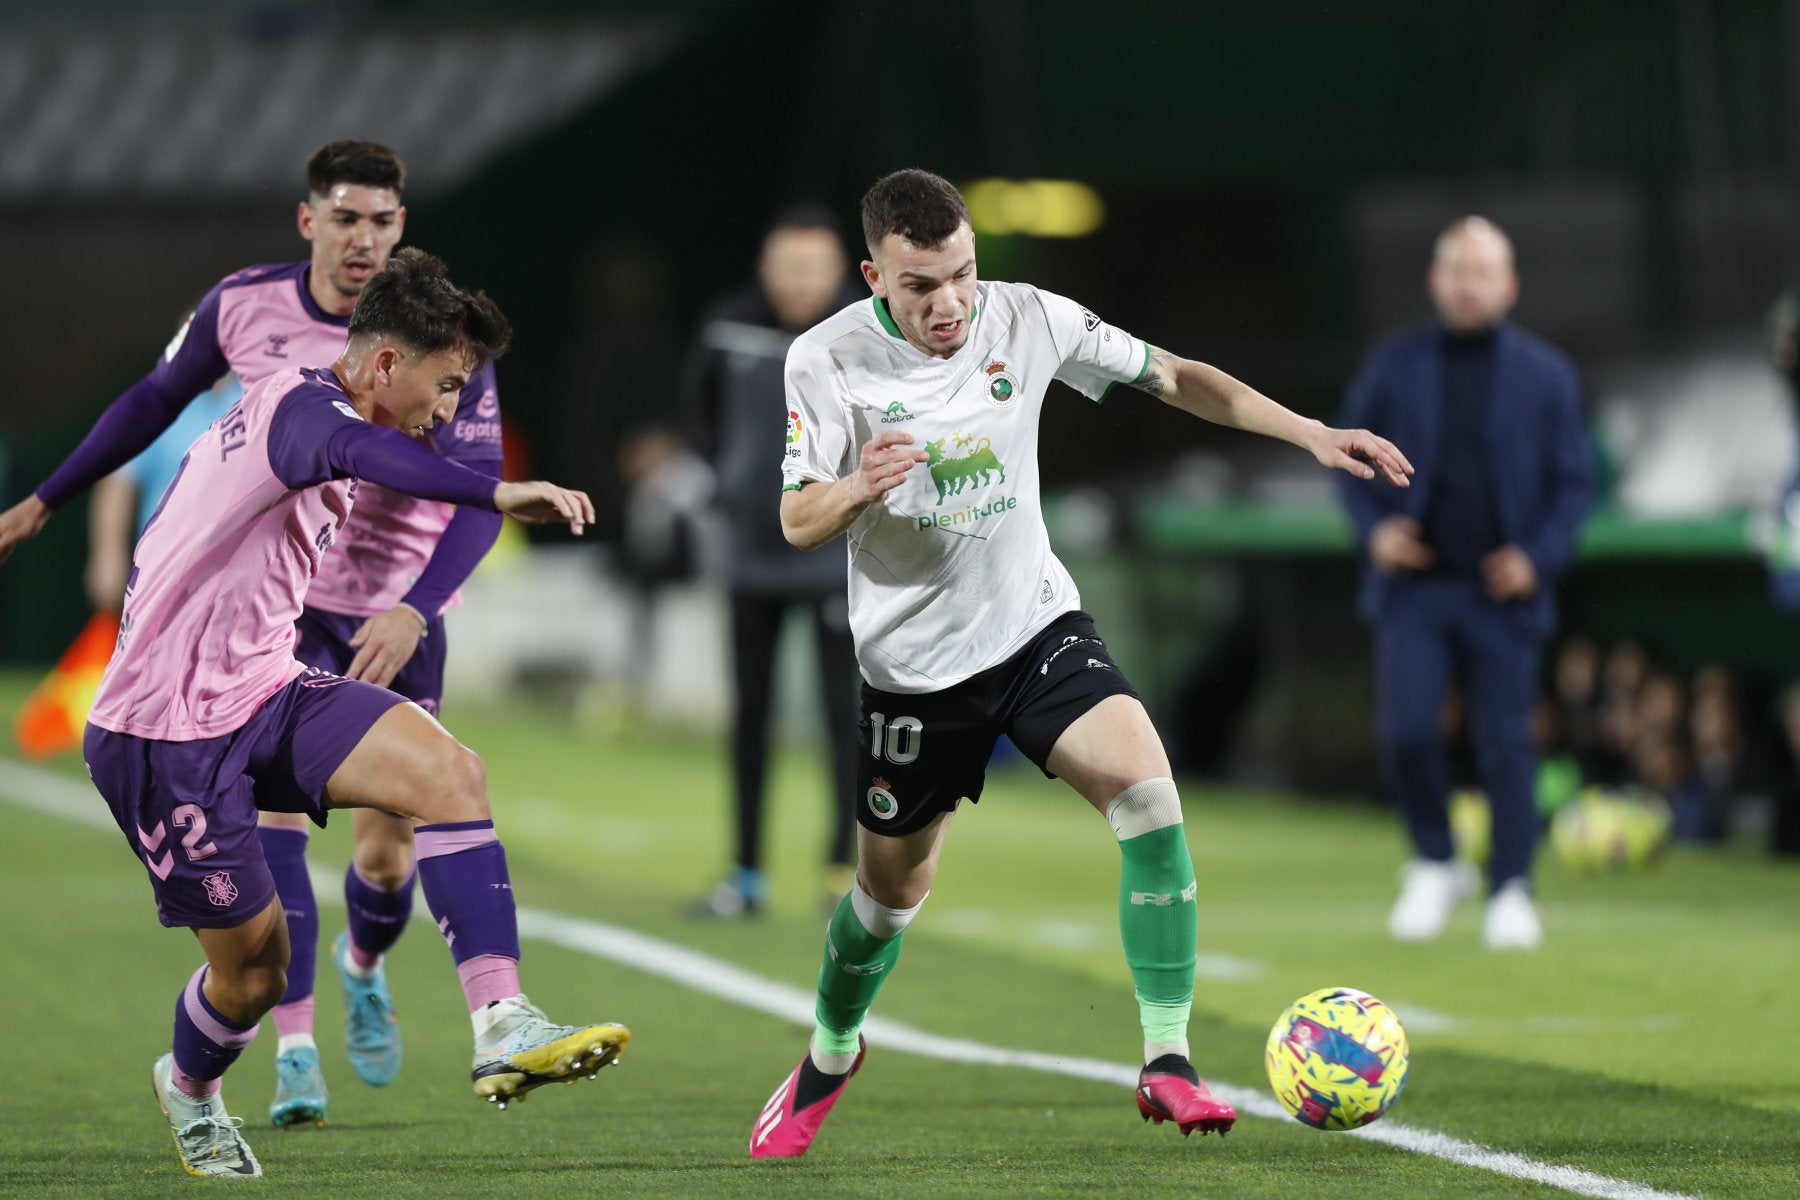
[
  {"x": 325, "y": 644},
  {"x": 188, "y": 809}
]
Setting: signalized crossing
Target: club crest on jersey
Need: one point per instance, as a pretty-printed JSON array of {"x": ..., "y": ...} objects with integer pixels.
[
  {"x": 881, "y": 801},
  {"x": 1002, "y": 386}
]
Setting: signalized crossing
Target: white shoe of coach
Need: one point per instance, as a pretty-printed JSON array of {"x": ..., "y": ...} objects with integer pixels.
[
  {"x": 1429, "y": 893},
  {"x": 1512, "y": 919}
]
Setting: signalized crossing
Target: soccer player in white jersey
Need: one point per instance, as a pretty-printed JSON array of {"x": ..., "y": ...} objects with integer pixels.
[
  {"x": 205, "y": 716},
  {"x": 373, "y": 612},
  {"x": 912, "y": 425}
]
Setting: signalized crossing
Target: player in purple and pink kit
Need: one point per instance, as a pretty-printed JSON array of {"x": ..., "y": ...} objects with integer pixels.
[
  {"x": 373, "y": 612},
  {"x": 205, "y": 715}
]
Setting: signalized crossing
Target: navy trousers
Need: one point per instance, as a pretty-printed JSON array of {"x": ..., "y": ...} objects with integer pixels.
[{"x": 1436, "y": 630}]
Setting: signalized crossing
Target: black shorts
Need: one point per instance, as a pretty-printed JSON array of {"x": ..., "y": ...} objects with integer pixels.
[{"x": 922, "y": 752}]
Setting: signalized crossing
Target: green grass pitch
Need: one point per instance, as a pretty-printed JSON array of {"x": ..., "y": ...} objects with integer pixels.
[{"x": 1654, "y": 1040}]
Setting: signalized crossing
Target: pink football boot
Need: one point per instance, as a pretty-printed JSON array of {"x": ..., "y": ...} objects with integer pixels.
[{"x": 791, "y": 1118}]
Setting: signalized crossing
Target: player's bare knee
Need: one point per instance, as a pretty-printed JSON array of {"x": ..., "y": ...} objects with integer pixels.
[
  {"x": 461, "y": 786},
  {"x": 384, "y": 862}
]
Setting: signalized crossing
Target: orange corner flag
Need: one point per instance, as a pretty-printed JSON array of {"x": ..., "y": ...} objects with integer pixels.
[{"x": 55, "y": 714}]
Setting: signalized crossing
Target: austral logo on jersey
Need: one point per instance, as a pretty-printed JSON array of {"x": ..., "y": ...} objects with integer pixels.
[
  {"x": 896, "y": 413},
  {"x": 1002, "y": 387}
]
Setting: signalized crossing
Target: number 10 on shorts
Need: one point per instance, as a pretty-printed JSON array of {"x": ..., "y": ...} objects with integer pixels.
[{"x": 897, "y": 742}]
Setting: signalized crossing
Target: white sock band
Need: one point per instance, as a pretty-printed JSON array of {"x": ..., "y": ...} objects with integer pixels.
[
  {"x": 880, "y": 920},
  {"x": 1144, "y": 808}
]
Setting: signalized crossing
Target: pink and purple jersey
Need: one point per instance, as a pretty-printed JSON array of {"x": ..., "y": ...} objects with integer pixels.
[
  {"x": 382, "y": 557},
  {"x": 218, "y": 578},
  {"x": 263, "y": 320}
]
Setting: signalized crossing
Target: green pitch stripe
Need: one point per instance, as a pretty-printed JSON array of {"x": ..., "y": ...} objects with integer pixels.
[{"x": 70, "y": 799}]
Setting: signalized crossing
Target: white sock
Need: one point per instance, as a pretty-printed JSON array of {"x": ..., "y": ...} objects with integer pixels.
[
  {"x": 831, "y": 1064},
  {"x": 490, "y": 1015},
  {"x": 1155, "y": 1050},
  {"x": 295, "y": 1041}
]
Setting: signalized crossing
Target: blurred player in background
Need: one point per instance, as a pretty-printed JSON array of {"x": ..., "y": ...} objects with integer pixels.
[
  {"x": 734, "y": 389},
  {"x": 1464, "y": 567},
  {"x": 374, "y": 612},
  {"x": 968, "y": 627},
  {"x": 206, "y": 716}
]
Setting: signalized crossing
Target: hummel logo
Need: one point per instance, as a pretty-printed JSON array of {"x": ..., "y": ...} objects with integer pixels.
[
  {"x": 1189, "y": 892},
  {"x": 871, "y": 969},
  {"x": 277, "y": 345},
  {"x": 1104, "y": 666}
]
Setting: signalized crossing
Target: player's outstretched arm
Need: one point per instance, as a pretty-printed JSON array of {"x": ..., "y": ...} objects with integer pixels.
[
  {"x": 540, "y": 503},
  {"x": 1211, "y": 394},
  {"x": 20, "y": 523},
  {"x": 818, "y": 512}
]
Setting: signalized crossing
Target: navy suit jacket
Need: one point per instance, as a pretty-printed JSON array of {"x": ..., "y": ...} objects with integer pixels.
[{"x": 1540, "y": 460}]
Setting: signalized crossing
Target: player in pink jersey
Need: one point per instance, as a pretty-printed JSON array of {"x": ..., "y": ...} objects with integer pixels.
[
  {"x": 205, "y": 716},
  {"x": 375, "y": 608}
]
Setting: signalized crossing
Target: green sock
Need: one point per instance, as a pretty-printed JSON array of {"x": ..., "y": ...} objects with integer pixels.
[
  {"x": 856, "y": 963},
  {"x": 1159, "y": 923}
]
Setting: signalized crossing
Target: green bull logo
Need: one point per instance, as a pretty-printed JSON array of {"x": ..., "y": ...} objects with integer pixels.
[{"x": 953, "y": 474}]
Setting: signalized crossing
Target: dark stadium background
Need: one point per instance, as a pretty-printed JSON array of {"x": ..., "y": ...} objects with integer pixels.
[{"x": 1272, "y": 175}]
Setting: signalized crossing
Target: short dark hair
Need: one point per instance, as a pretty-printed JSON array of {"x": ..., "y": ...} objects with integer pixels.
[
  {"x": 349, "y": 160},
  {"x": 412, "y": 300},
  {"x": 923, "y": 208},
  {"x": 808, "y": 215}
]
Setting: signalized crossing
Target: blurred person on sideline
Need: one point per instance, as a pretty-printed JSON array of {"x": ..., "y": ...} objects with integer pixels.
[
  {"x": 735, "y": 396},
  {"x": 915, "y": 432},
  {"x": 1462, "y": 567},
  {"x": 374, "y": 610},
  {"x": 664, "y": 540},
  {"x": 206, "y": 717}
]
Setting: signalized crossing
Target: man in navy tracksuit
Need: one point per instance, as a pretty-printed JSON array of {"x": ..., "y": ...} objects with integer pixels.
[{"x": 1461, "y": 567}]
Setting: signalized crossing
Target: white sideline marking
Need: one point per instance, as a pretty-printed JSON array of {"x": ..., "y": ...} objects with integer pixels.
[{"x": 60, "y": 796}]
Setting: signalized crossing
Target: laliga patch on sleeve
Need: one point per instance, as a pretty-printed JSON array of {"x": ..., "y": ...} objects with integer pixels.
[{"x": 180, "y": 337}]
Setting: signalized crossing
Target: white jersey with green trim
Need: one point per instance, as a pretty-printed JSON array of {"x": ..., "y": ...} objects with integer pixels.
[{"x": 952, "y": 572}]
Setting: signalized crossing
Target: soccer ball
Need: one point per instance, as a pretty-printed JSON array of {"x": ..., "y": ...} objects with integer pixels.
[
  {"x": 1601, "y": 831},
  {"x": 1337, "y": 1058}
]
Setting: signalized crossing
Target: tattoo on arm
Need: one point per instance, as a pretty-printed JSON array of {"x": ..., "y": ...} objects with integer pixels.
[{"x": 1159, "y": 373}]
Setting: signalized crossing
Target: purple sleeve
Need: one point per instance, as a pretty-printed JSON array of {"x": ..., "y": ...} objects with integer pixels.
[
  {"x": 315, "y": 435},
  {"x": 192, "y": 363},
  {"x": 473, "y": 439},
  {"x": 460, "y": 549}
]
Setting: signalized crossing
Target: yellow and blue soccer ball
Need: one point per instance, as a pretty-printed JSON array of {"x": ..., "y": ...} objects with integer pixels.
[{"x": 1337, "y": 1058}]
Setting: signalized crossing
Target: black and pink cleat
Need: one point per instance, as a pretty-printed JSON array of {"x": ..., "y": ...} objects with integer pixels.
[{"x": 1169, "y": 1090}]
